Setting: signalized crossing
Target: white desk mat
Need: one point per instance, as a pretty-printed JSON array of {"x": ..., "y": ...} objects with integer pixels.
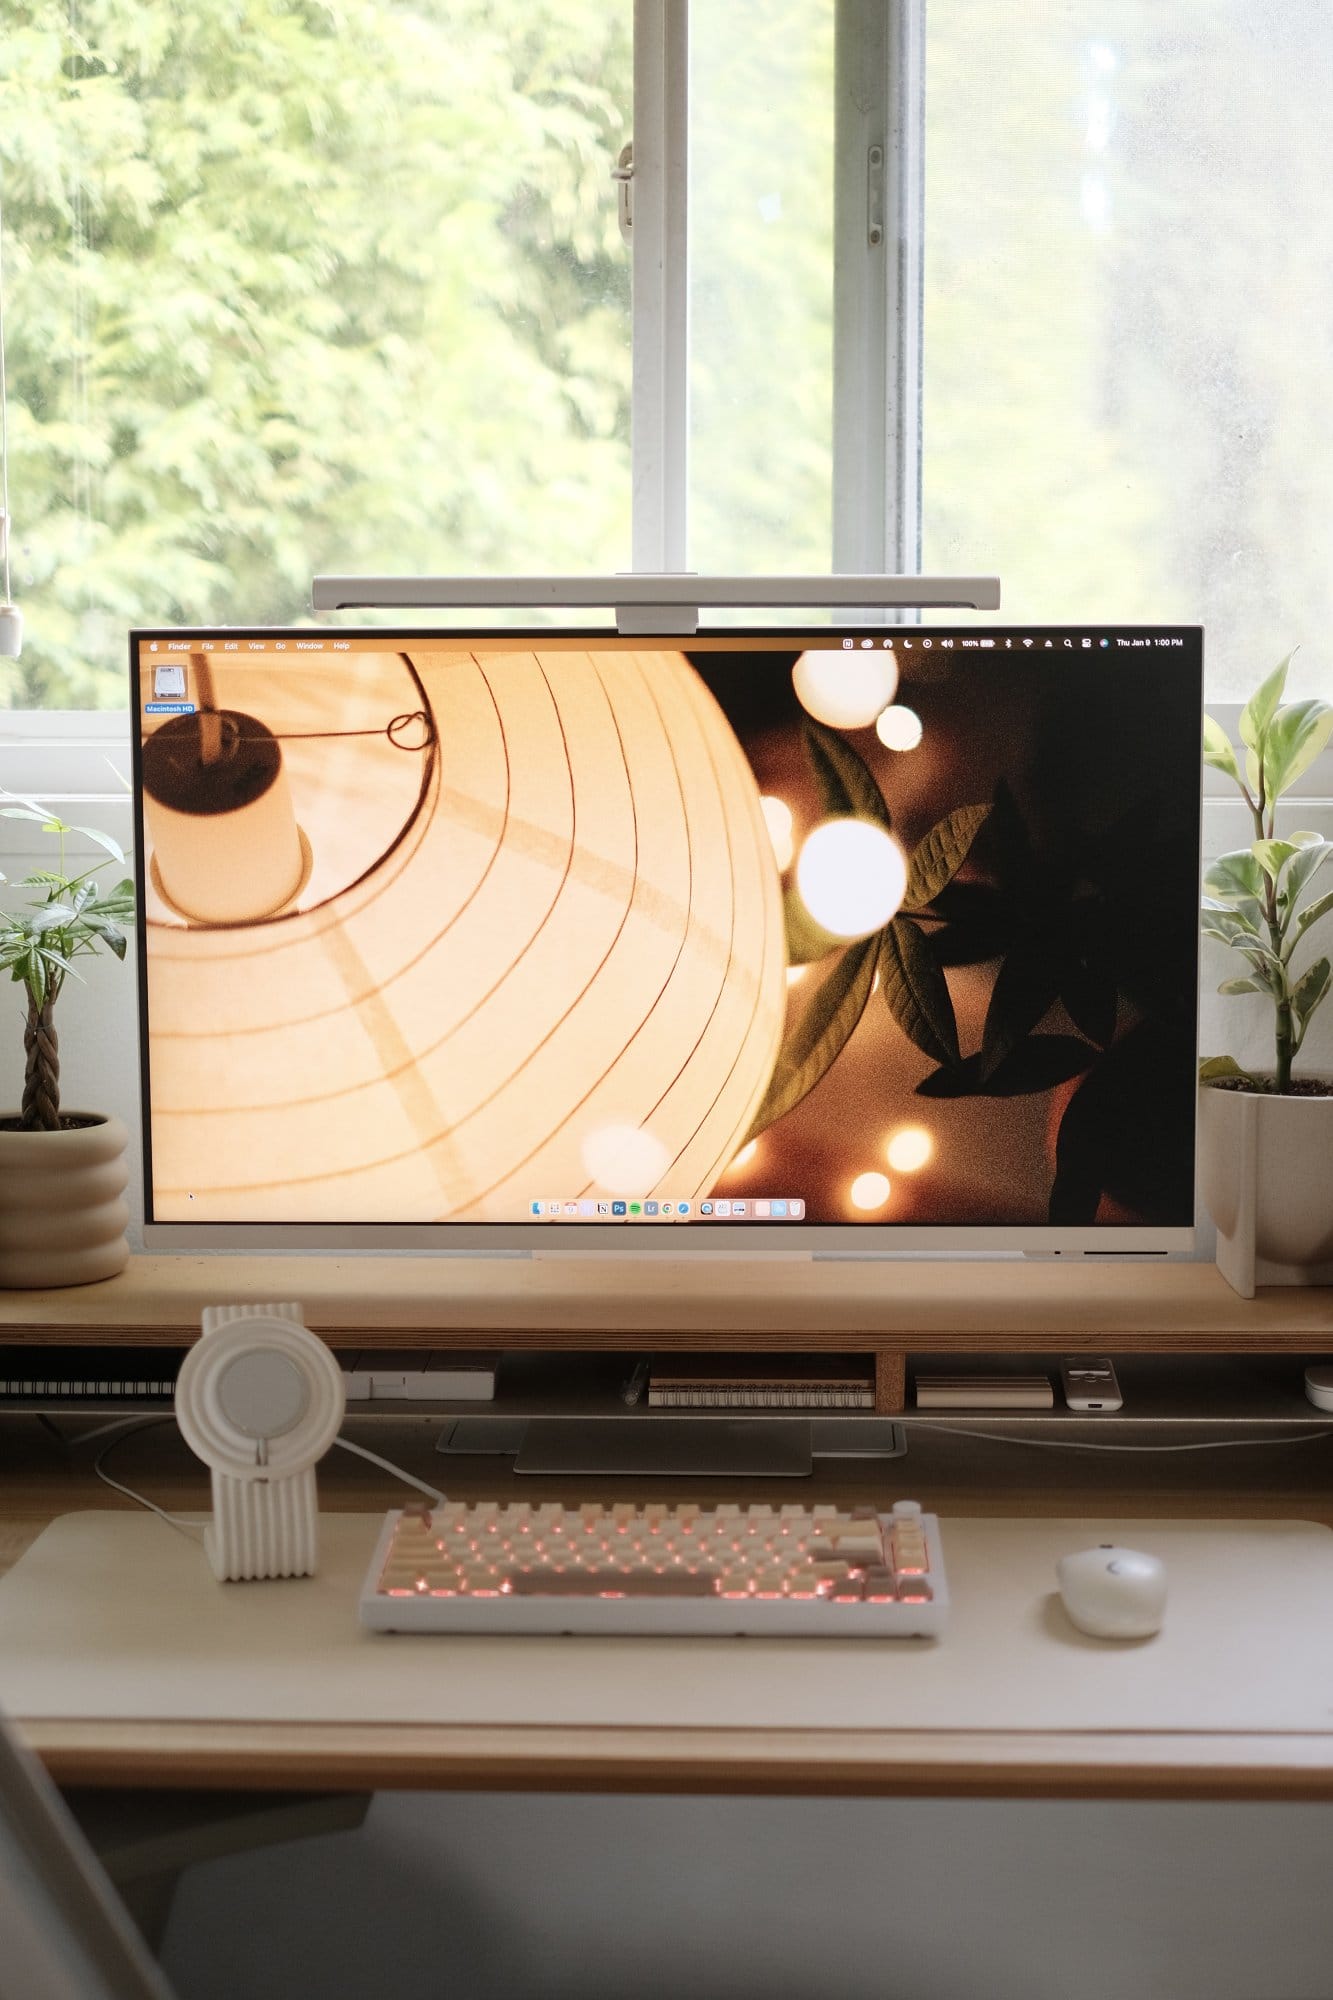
[{"x": 116, "y": 1616}]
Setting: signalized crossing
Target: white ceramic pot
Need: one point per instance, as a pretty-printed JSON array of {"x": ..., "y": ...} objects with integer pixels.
[
  {"x": 62, "y": 1206},
  {"x": 1266, "y": 1165}
]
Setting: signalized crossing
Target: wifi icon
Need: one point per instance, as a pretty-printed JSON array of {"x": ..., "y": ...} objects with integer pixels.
[{"x": 1027, "y": 642}]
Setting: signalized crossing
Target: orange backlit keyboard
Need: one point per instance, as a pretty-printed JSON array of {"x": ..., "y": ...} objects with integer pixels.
[{"x": 791, "y": 1571}]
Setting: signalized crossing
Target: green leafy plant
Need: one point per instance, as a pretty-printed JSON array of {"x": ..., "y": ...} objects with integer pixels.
[
  {"x": 1257, "y": 900},
  {"x": 70, "y": 917}
]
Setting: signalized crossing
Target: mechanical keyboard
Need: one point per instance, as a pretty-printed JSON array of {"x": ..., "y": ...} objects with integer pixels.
[{"x": 791, "y": 1571}]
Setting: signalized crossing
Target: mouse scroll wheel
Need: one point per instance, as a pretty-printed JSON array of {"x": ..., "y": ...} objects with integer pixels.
[{"x": 1115, "y": 1569}]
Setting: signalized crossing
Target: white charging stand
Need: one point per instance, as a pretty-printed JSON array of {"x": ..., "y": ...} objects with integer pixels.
[{"x": 260, "y": 1399}]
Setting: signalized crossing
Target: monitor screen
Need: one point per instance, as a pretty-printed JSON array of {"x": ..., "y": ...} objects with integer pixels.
[{"x": 834, "y": 937}]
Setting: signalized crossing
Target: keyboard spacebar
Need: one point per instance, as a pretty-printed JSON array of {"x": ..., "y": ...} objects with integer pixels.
[{"x": 610, "y": 1582}]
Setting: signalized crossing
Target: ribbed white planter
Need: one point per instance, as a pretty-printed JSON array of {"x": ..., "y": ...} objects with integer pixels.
[
  {"x": 62, "y": 1207},
  {"x": 1266, "y": 1165}
]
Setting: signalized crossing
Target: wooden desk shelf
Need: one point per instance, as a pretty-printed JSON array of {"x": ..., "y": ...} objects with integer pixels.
[{"x": 891, "y": 1310}]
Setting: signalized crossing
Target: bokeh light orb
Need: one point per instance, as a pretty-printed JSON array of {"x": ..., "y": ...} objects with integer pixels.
[
  {"x": 870, "y": 1191},
  {"x": 898, "y": 728},
  {"x": 851, "y": 876},
  {"x": 845, "y": 690},
  {"x": 778, "y": 820},
  {"x": 624, "y": 1159},
  {"x": 909, "y": 1149},
  {"x": 745, "y": 1155}
]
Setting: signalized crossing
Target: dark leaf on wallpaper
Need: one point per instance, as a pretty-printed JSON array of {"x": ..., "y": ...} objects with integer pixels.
[
  {"x": 978, "y": 924},
  {"x": 917, "y": 992},
  {"x": 846, "y": 783},
  {"x": 1076, "y": 1190},
  {"x": 1026, "y": 988},
  {"x": 1007, "y": 840},
  {"x": 806, "y": 940},
  {"x": 1035, "y": 1065},
  {"x": 1127, "y": 1131},
  {"x": 937, "y": 858},
  {"x": 1088, "y": 990},
  {"x": 820, "y": 1034}
]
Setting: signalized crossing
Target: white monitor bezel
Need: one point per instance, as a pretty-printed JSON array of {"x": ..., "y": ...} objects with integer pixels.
[{"x": 643, "y": 1237}]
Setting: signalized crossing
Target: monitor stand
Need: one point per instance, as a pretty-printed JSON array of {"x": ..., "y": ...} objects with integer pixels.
[{"x": 673, "y": 1447}]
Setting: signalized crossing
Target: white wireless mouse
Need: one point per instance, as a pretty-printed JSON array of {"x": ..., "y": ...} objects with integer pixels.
[{"x": 1113, "y": 1593}]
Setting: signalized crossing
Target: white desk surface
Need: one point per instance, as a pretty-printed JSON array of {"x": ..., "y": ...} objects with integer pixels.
[{"x": 113, "y": 1619}]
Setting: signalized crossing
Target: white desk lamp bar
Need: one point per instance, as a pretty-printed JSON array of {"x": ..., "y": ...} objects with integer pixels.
[{"x": 655, "y": 603}]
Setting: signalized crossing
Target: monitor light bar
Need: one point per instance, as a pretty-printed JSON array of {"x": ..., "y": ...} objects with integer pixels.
[{"x": 645, "y": 602}]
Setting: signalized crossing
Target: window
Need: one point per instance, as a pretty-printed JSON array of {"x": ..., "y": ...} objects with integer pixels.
[
  {"x": 297, "y": 285},
  {"x": 1128, "y": 295}
]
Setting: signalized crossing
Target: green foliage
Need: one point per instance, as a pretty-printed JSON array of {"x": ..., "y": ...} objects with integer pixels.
[
  {"x": 823, "y": 1031},
  {"x": 1255, "y": 901},
  {"x": 301, "y": 285},
  {"x": 72, "y": 917},
  {"x": 917, "y": 992}
]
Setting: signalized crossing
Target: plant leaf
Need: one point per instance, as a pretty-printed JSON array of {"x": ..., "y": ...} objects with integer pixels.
[
  {"x": 1310, "y": 989},
  {"x": 1089, "y": 994},
  {"x": 806, "y": 940},
  {"x": 1213, "y": 1067},
  {"x": 1229, "y": 929},
  {"x": 1312, "y": 913},
  {"x": 937, "y": 858},
  {"x": 1217, "y": 749},
  {"x": 821, "y": 1033},
  {"x": 1235, "y": 877},
  {"x": 1272, "y": 856},
  {"x": 1242, "y": 986},
  {"x": 113, "y": 847},
  {"x": 1259, "y": 710},
  {"x": 1296, "y": 736},
  {"x": 1310, "y": 856},
  {"x": 49, "y": 917},
  {"x": 846, "y": 783},
  {"x": 1036, "y": 1065},
  {"x": 1026, "y": 986},
  {"x": 917, "y": 992}
]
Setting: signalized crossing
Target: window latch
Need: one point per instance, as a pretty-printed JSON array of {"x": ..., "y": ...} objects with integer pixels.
[
  {"x": 875, "y": 196},
  {"x": 623, "y": 174}
]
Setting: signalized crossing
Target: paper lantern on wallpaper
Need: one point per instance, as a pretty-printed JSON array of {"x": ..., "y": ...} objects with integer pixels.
[
  {"x": 571, "y": 983},
  {"x": 226, "y": 846}
]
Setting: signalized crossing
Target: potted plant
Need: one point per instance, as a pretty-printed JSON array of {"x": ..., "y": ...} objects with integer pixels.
[
  {"x": 1266, "y": 1138},
  {"x": 62, "y": 1173}
]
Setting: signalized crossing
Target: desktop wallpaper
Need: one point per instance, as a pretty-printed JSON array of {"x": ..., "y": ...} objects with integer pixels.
[{"x": 760, "y": 928}]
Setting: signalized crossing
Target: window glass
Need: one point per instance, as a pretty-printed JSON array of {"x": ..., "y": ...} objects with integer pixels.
[
  {"x": 1127, "y": 313},
  {"x": 298, "y": 286},
  {"x": 761, "y": 285}
]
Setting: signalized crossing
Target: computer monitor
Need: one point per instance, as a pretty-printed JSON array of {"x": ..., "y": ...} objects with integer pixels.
[{"x": 772, "y": 940}]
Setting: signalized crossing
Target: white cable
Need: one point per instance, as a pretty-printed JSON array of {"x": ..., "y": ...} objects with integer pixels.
[
  {"x": 177, "y": 1521},
  {"x": 384, "y": 1464},
  {"x": 103, "y": 1430},
  {"x": 1078, "y": 1444}
]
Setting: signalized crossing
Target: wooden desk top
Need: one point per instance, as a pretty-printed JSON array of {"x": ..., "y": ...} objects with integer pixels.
[
  {"x": 970, "y": 1476},
  {"x": 770, "y": 1303}
]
